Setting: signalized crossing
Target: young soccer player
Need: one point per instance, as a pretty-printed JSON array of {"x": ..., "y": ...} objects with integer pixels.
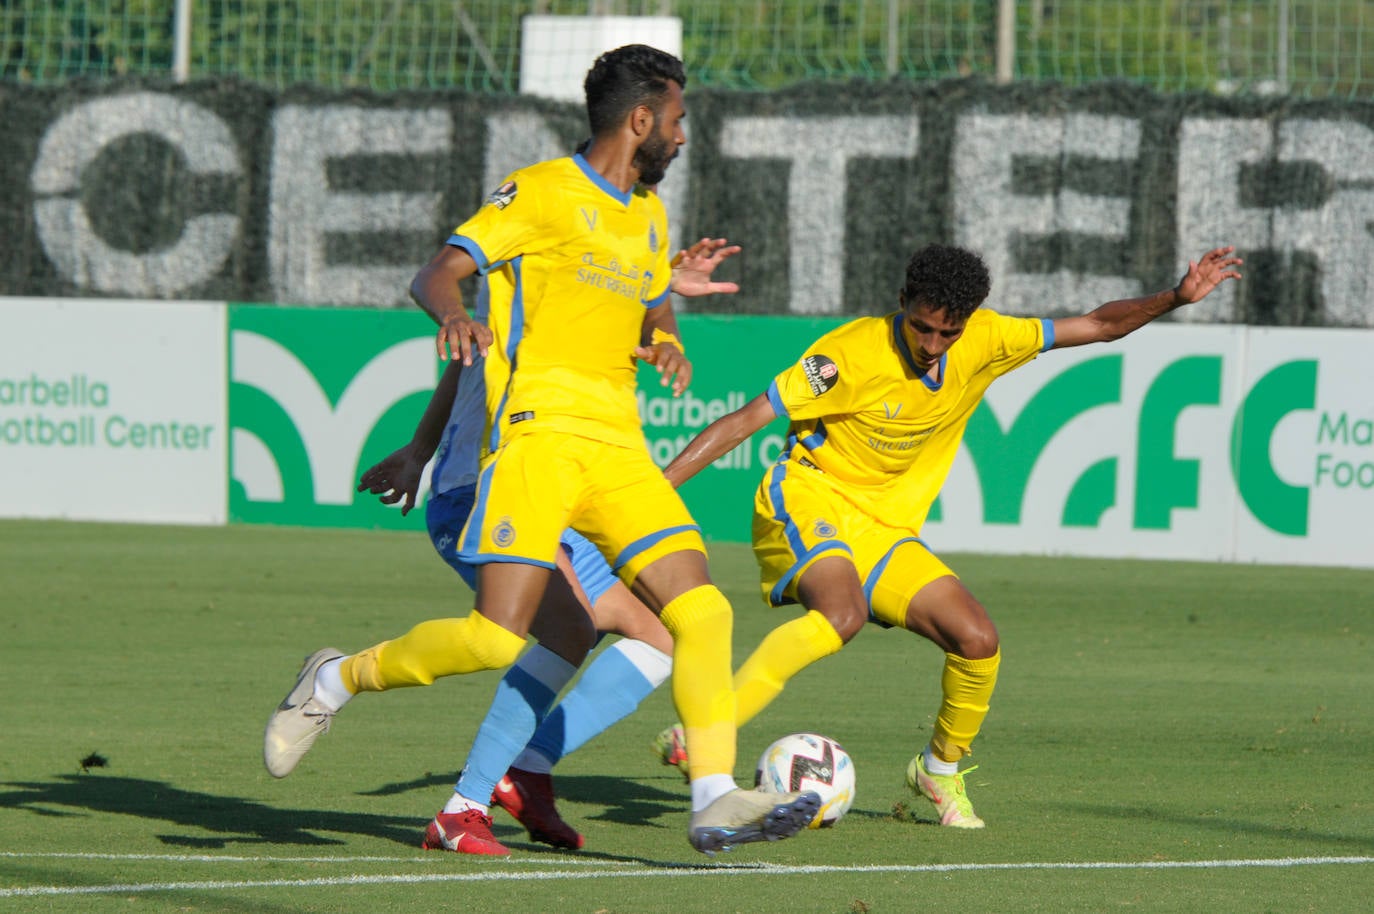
[
  {"x": 577, "y": 266},
  {"x": 877, "y": 408}
]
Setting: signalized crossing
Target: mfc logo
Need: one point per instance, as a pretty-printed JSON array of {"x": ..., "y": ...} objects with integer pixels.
[
  {"x": 316, "y": 396},
  {"x": 1006, "y": 456}
]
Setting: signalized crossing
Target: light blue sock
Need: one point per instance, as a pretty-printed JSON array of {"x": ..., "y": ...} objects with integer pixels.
[
  {"x": 522, "y": 701},
  {"x": 617, "y": 681}
]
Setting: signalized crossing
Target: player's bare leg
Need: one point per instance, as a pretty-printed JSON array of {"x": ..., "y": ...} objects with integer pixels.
[
  {"x": 837, "y": 609},
  {"x": 946, "y": 613}
]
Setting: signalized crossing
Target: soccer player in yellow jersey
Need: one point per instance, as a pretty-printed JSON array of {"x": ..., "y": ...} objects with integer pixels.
[
  {"x": 576, "y": 259},
  {"x": 877, "y": 408}
]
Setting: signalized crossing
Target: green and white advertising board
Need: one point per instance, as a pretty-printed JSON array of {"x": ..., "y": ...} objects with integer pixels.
[
  {"x": 1224, "y": 443},
  {"x": 315, "y": 398},
  {"x": 112, "y": 411},
  {"x": 1233, "y": 443}
]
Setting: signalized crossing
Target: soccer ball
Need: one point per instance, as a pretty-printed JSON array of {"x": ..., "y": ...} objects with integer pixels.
[{"x": 808, "y": 761}]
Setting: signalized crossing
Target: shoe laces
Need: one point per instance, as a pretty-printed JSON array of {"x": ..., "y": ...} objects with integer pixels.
[
  {"x": 317, "y": 712},
  {"x": 465, "y": 819},
  {"x": 958, "y": 777}
]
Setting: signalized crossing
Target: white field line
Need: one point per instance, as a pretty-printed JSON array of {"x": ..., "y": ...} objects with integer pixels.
[
  {"x": 230, "y": 858},
  {"x": 607, "y": 871}
]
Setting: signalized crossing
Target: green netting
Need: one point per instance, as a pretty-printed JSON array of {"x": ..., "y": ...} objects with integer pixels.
[{"x": 1314, "y": 48}]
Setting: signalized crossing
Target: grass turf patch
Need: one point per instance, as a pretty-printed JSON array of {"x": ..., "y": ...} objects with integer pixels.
[{"x": 1155, "y": 725}]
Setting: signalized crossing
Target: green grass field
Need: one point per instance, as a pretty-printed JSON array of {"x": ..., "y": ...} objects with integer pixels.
[{"x": 1165, "y": 737}]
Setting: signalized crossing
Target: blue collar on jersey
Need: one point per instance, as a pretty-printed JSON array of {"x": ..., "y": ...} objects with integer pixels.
[
  {"x": 910, "y": 360},
  {"x": 595, "y": 177}
]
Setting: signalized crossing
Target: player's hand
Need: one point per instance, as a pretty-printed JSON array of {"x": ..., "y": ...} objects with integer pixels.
[
  {"x": 459, "y": 336},
  {"x": 1207, "y": 273},
  {"x": 672, "y": 363},
  {"x": 397, "y": 476},
  {"x": 692, "y": 268}
]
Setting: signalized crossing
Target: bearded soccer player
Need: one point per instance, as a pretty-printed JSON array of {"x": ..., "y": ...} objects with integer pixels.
[
  {"x": 576, "y": 259},
  {"x": 877, "y": 408},
  {"x": 524, "y": 734}
]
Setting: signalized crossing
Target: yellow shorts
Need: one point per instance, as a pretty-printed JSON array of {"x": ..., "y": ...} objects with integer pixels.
[
  {"x": 801, "y": 514},
  {"x": 539, "y": 483}
]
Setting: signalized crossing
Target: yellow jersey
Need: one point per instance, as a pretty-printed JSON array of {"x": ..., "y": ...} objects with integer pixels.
[
  {"x": 571, "y": 263},
  {"x": 884, "y": 432}
]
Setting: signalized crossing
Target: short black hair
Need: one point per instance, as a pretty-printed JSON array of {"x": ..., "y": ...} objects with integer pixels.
[
  {"x": 946, "y": 278},
  {"x": 620, "y": 80}
]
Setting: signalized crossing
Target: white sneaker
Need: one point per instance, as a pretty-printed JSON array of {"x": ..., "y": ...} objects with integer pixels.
[
  {"x": 742, "y": 816},
  {"x": 299, "y": 719}
]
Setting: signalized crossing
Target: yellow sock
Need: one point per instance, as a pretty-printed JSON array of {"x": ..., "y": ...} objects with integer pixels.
[
  {"x": 700, "y": 621},
  {"x": 785, "y": 652},
  {"x": 439, "y": 647},
  {"x": 967, "y": 686}
]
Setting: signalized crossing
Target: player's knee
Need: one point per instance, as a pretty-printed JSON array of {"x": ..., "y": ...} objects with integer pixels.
[
  {"x": 847, "y": 619},
  {"x": 978, "y": 641}
]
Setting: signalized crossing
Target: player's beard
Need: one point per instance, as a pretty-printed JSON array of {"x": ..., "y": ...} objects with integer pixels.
[{"x": 652, "y": 157}]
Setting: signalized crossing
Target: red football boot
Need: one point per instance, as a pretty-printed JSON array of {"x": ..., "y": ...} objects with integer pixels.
[
  {"x": 528, "y": 797},
  {"x": 466, "y": 832}
]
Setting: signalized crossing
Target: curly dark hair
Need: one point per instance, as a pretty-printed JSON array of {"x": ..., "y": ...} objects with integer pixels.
[
  {"x": 945, "y": 278},
  {"x": 635, "y": 74}
]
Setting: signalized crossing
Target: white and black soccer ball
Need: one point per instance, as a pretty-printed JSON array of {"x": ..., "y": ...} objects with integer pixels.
[{"x": 808, "y": 761}]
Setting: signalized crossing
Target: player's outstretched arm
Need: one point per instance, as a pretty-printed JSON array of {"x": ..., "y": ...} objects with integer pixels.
[
  {"x": 435, "y": 289},
  {"x": 398, "y": 474},
  {"x": 720, "y": 438},
  {"x": 1115, "y": 319},
  {"x": 693, "y": 266}
]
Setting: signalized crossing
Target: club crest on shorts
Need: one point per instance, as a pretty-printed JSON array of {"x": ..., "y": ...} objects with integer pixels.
[
  {"x": 820, "y": 372},
  {"x": 503, "y": 534},
  {"x": 503, "y": 195},
  {"x": 824, "y": 528}
]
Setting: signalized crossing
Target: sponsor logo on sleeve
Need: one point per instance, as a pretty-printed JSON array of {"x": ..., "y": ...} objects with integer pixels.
[
  {"x": 503, "y": 195},
  {"x": 820, "y": 372}
]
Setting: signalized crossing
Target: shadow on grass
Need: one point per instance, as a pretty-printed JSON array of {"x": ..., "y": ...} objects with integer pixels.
[
  {"x": 238, "y": 821},
  {"x": 625, "y": 801},
  {"x": 232, "y": 819}
]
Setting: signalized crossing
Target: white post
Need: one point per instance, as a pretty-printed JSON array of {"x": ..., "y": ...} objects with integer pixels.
[
  {"x": 1006, "y": 40},
  {"x": 181, "y": 47},
  {"x": 1281, "y": 76},
  {"x": 892, "y": 46}
]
